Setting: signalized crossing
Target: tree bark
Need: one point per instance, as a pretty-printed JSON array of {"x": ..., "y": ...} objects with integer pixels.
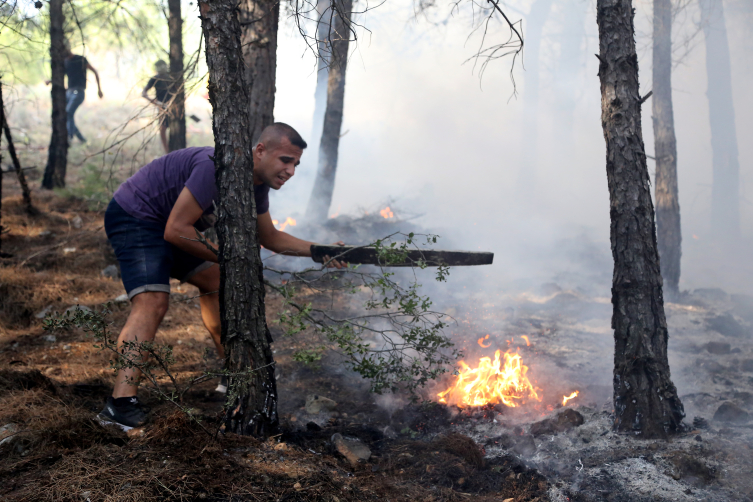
[
  {"x": 14, "y": 158},
  {"x": 668, "y": 230},
  {"x": 324, "y": 184},
  {"x": 177, "y": 112},
  {"x": 252, "y": 396},
  {"x": 57, "y": 155},
  {"x": 259, "y": 21},
  {"x": 725, "y": 192},
  {"x": 324, "y": 19},
  {"x": 645, "y": 399},
  {"x": 535, "y": 21}
]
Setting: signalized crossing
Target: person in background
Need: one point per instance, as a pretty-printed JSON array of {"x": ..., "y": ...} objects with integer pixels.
[
  {"x": 75, "y": 69},
  {"x": 162, "y": 95}
]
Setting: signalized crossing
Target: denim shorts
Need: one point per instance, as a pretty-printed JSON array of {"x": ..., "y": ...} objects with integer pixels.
[{"x": 147, "y": 260}]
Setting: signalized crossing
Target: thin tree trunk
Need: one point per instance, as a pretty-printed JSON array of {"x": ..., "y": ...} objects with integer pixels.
[
  {"x": 259, "y": 20},
  {"x": 57, "y": 155},
  {"x": 324, "y": 19},
  {"x": 535, "y": 21},
  {"x": 570, "y": 65},
  {"x": 177, "y": 112},
  {"x": 14, "y": 158},
  {"x": 645, "y": 399},
  {"x": 669, "y": 233},
  {"x": 725, "y": 193},
  {"x": 324, "y": 184},
  {"x": 252, "y": 396}
]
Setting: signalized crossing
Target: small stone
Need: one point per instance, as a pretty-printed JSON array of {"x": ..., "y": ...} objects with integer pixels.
[
  {"x": 77, "y": 222},
  {"x": 316, "y": 404},
  {"x": 352, "y": 449},
  {"x": 66, "y": 347},
  {"x": 281, "y": 446},
  {"x": 49, "y": 338},
  {"x": 43, "y": 313},
  {"x": 389, "y": 432},
  {"x": 563, "y": 421},
  {"x": 718, "y": 348},
  {"x": 69, "y": 250},
  {"x": 730, "y": 412},
  {"x": 7, "y": 432},
  {"x": 45, "y": 233},
  {"x": 72, "y": 309},
  {"x": 297, "y": 486},
  {"x": 111, "y": 272},
  {"x": 524, "y": 445}
]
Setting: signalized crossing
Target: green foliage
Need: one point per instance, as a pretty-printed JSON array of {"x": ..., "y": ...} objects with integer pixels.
[
  {"x": 92, "y": 186},
  {"x": 398, "y": 342},
  {"x": 154, "y": 360}
]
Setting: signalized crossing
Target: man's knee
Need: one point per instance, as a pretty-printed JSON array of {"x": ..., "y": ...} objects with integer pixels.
[{"x": 152, "y": 303}]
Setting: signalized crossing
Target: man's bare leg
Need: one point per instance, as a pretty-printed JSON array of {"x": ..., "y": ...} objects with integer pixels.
[
  {"x": 147, "y": 311},
  {"x": 208, "y": 282}
]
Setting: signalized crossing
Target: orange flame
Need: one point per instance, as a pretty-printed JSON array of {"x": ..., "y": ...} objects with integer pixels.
[
  {"x": 524, "y": 337},
  {"x": 289, "y": 221},
  {"x": 387, "y": 213},
  {"x": 491, "y": 383},
  {"x": 481, "y": 342},
  {"x": 565, "y": 399}
]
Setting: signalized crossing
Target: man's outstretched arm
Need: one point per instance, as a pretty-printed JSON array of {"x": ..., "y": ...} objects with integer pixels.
[{"x": 284, "y": 243}]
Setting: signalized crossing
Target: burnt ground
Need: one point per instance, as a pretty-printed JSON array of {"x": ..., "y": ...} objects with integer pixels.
[{"x": 53, "y": 384}]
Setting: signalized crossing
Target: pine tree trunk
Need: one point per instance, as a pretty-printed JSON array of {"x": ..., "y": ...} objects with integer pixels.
[
  {"x": 324, "y": 184},
  {"x": 252, "y": 398},
  {"x": 725, "y": 192},
  {"x": 259, "y": 20},
  {"x": 14, "y": 158},
  {"x": 57, "y": 155},
  {"x": 669, "y": 233},
  {"x": 177, "y": 112},
  {"x": 324, "y": 18},
  {"x": 534, "y": 28},
  {"x": 645, "y": 399}
]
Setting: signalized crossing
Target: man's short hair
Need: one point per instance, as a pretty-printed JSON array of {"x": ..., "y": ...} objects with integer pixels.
[
  {"x": 160, "y": 65},
  {"x": 272, "y": 134}
]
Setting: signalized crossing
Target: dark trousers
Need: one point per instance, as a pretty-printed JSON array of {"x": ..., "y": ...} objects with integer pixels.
[{"x": 73, "y": 97}]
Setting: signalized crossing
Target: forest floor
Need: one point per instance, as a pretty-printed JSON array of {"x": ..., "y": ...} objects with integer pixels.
[{"x": 52, "y": 385}]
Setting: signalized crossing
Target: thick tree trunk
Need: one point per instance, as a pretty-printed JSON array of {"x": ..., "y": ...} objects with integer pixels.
[
  {"x": 14, "y": 158},
  {"x": 324, "y": 184},
  {"x": 57, "y": 155},
  {"x": 324, "y": 18},
  {"x": 259, "y": 20},
  {"x": 534, "y": 28},
  {"x": 177, "y": 112},
  {"x": 252, "y": 397},
  {"x": 725, "y": 193},
  {"x": 645, "y": 399},
  {"x": 668, "y": 231}
]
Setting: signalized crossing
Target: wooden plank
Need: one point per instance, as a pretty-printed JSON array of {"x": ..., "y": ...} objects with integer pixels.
[{"x": 432, "y": 258}]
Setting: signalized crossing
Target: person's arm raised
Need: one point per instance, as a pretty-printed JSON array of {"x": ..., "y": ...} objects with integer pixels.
[{"x": 180, "y": 224}]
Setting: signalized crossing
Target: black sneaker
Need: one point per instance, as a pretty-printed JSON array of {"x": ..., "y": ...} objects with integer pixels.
[
  {"x": 222, "y": 386},
  {"x": 131, "y": 415}
]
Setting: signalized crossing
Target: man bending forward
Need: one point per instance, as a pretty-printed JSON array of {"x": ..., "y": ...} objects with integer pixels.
[{"x": 146, "y": 221}]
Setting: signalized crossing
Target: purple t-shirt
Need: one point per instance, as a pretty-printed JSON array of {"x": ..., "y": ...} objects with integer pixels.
[{"x": 150, "y": 194}]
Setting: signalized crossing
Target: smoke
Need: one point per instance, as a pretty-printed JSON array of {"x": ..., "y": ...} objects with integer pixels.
[{"x": 422, "y": 129}]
